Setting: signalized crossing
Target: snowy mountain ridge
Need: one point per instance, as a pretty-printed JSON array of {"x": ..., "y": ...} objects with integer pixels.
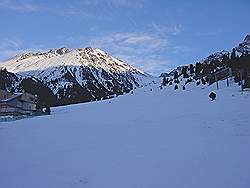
[
  {"x": 223, "y": 55},
  {"x": 89, "y": 72},
  {"x": 215, "y": 56},
  {"x": 62, "y": 57}
]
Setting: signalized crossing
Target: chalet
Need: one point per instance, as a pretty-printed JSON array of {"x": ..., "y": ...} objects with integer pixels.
[{"x": 17, "y": 103}]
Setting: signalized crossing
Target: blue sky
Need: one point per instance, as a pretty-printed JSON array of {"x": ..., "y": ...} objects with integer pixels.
[{"x": 154, "y": 35}]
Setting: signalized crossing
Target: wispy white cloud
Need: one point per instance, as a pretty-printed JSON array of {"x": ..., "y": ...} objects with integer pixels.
[
  {"x": 140, "y": 49},
  {"x": 147, "y": 50},
  {"x": 150, "y": 64},
  {"x": 208, "y": 33},
  {"x": 130, "y": 42},
  {"x": 10, "y": 43},
  {"x": 115, "y": 3},
  {"x": 20, "y": 6},
  {"x": 103, "y": 10},
  {"x": 167, "y": 30},
  {"x": 79, "y": 12},
  {"x": 181, "y": 49},
  {"x": 10, "y": 47}
]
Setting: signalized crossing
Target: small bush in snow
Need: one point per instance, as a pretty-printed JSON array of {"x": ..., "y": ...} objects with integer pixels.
[
  {"x": 183, "y": 88},
  {"x": 176, "y": 87},
  {"x": 47, "y": 110},
  {"x": 203, "y": 81},
  {"x": 189, "y": 80},
  {"x": 212, "y": 96},
  {"x": 176, "y": 81}
]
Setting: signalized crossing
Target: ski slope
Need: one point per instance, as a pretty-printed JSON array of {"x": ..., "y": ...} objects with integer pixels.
[{"x": 149, "y": 139}]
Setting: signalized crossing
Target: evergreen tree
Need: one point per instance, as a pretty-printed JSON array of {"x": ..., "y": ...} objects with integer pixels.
[
  {"x": 164, "y": 82},
  {"x": 191, "y": 68},
  {"x": 203, "y": 81},
  {"x": 184, "y": 72},
  {"x": 47, "y": 110},
  {"x": 206, "y": 69},
  {"x": 225, "y": 59},
  {"x": 198, "y": 69},
  {"x": 176, "y": 87},
  {"x": 233, "y": 54},
  {"x": 175, "y": 75}
]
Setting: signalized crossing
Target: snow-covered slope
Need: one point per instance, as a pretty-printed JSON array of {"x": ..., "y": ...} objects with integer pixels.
[
  {"x": 159, "y": 138},
  {"x": 89, "y": 71}
]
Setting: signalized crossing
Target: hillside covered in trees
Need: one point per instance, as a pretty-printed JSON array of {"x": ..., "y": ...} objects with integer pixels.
[{"x": 217, "y": 66}]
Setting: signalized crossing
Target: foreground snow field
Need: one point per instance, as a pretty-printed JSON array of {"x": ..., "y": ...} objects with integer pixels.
[{"x": 149, "y": 139}]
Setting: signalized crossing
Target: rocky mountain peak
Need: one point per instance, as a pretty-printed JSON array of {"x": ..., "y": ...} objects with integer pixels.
[
  {"x": 59, "y": 51},
  {"x": 62, "y": 51},
  {"x": 215, "y": 56},
  {"x": 247, "y": 39},
  {"x": 244, "y": 47}
]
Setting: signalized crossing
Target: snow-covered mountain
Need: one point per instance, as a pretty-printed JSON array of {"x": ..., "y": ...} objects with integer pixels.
[
  {"x": 222, "y": 63},
  {"x": 215, "y": 56},
  {"x": 244, "y": 47},
  {"x": 77, "y": 75}
]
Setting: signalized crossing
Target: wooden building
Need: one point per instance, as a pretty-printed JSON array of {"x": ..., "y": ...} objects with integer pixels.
[
  {"x": 219, "y": 75},
  {"x": 17, "y": 103}
]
